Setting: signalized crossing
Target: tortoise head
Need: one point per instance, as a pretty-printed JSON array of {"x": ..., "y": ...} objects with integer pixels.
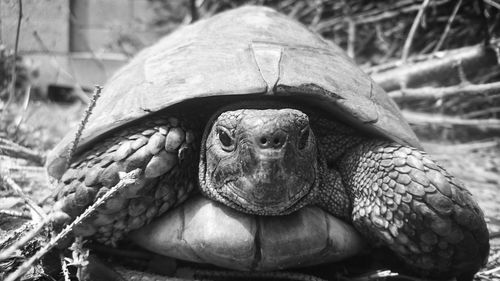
[{"x": 259, "y": 161}]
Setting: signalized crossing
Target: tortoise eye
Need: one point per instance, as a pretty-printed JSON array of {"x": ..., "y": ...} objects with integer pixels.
[
  {"x": 304, "y": 138},
  {"x": 224, "y": 138}
]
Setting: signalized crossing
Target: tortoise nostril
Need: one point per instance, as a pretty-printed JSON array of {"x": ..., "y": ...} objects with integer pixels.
[
  {"x": 276, "y": 140},
  {"x": 279, "y": 139}
]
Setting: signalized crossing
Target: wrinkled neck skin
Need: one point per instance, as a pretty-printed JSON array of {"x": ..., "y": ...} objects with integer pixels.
[{"x": 260, "y": 160}]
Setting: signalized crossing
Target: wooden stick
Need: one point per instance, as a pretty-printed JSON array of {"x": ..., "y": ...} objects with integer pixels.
[
  {"x": 37, "y": 210},
  {"x": 464, "y": 148},
  {"x": 438, "y": 119},
  {"x": 442, "y": 92},
  {"x": 22, "y": 113},
  {"x": 486, "y": 111},
  {"x": 351, "y": 42},
  {"x": 492, "y": 3},
  {"x": 448, "y": 26},
  {"x": 12, "y": 149},
  {"x": 441, "y": 66},
  {"x": 413, "y": 29}
]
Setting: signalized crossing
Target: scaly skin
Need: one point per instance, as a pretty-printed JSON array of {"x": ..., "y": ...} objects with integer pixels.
[
  {"x": 273, "y": 162},
  {"x": 407, "y": 202},
  {"x": 404, "y": 200},
  {"x": 163, "y": 149}
]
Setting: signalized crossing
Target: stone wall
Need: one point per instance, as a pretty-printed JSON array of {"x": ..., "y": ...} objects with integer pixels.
[
  {"x": 77, "y": 43},
  {"x": 45, "y": 25}
]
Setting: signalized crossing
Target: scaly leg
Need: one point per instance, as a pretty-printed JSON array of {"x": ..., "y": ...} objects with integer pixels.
[
  {"x": 166, "y": 153},
  {"x": 403, "y": 199}
]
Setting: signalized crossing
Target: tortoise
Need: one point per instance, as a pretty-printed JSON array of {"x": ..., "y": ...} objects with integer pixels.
[{"x": 261, "y": 146}]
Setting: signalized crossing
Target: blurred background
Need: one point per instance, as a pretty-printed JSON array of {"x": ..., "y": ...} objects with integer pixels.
[
  {"x": 80, "y": 43},
  {"x": 438, "y": 59}
]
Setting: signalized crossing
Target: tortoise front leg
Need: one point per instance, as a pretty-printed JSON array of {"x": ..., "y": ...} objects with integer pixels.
[
  {"x": 166, "y": 154},
  {"x": 403, "y": 199}
]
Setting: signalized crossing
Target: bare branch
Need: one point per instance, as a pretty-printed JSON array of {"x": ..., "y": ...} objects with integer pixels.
[
  {"x": 442, "y": 92},
  {"x": 351, "y": 39},
  {"x": 444, "y": 120},
  {"x": 413, "y": 29},
  {"x": 22, "y": 113},
  {"x": 448, "y": 26},
  {"x": 440, "y": 66},
  {"x": 40, "y": 213},
  {"x": 460, "y": 148},
  {"x": 484, "y": 23},
  {"x": 492, "y": 3},
  {"x": 12, "y": 149},
  {"x": 486, "y": 111}
]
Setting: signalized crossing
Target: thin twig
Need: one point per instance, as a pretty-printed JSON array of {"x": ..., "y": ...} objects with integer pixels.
[
  {"x": 493, "y": 270},
  {"x": 88, "y": 112},
  {"x": 477, "y": 113},
  {"x": 16, "y": 214},
  {"x": 22, "y": 113},
  {"x": 351, "y": 41},
  {"x": 464, "y": 148},
  {"x": 492, "y": 3},
  {"x": 12, "y": 86},
  {"x": 18, "y": 170},
  {"x": 336, "y": 23},
  {"x": 13, "y": 213},
  {"x": 484, "y": 23},
  {"x": 448, "y": 26},
  {"x": 126, "y": 180},
  {"x": 437, "y": 119},
  {"x": 442, "y": 92},
  {"x": 413, "y": 29},
  {"x": 438, "y": 67},
  {"x": 41, "y": 215},
  {"x": 33, "y": 231},
  {"x": 12, "y": 149}
]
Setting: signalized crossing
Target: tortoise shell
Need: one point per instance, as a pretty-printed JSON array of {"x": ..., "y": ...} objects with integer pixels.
[{"x": 251, "y": 51}]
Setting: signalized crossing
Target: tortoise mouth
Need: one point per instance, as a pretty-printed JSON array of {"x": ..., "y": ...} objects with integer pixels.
[{"x": 236, "y": 194}]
